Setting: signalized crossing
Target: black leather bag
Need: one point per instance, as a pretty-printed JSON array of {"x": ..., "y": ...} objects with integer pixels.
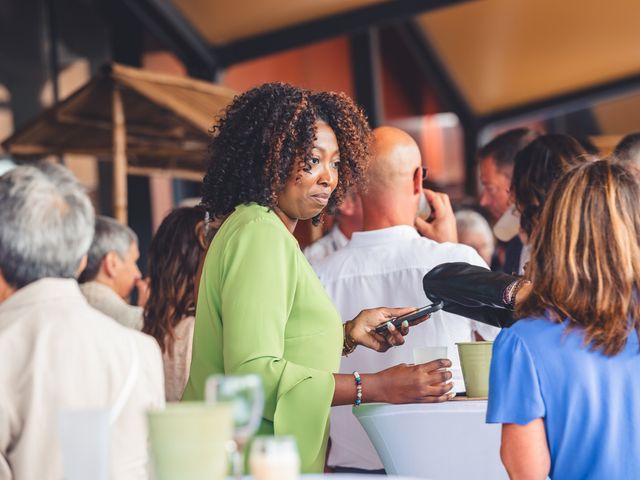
[{"x": 470, "y": 291}]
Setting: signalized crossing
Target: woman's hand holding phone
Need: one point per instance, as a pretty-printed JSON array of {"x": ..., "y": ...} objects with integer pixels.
[
  {"x": 362, "y": 329},
  {"x": 410, "y": 319}
]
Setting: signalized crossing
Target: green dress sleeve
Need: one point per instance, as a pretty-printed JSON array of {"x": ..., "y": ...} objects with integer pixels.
[{"x": 259, "y": 288}]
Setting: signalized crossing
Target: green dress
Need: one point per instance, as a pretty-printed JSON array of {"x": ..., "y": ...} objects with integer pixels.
[{"x": 261, "y": 309}]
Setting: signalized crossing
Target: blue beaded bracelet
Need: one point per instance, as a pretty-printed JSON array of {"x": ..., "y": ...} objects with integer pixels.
[{"x": 358, "y": 401}]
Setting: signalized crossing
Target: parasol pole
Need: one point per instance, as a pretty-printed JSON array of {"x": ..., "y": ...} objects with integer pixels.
[{"x": 119, "y": 158}]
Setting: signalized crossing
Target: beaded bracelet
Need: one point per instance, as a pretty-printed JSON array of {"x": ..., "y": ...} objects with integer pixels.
[
  {"x": 514, "y": 293},
  {"x": 510, "y": 293},
  {"x": 358, "y": 401}
]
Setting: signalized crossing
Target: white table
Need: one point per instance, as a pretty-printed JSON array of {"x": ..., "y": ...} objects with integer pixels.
[
  {"x": 342, "y": 476},
  {"x": 441, "y": 441},
  {"x": 353, "y": 476}
]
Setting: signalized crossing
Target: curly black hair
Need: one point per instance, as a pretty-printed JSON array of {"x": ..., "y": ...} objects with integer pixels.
[{"x": 268, "y": 132}]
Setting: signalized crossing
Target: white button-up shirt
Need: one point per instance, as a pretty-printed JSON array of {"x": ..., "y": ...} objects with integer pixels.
[
  {"x": 331, "y": 242},
  {"x": 59, "y": 354},
  {"x": 385, "y": 268}
]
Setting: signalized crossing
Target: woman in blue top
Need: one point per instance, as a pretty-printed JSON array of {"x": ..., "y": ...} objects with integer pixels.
[{"x": 565, "y": 379}]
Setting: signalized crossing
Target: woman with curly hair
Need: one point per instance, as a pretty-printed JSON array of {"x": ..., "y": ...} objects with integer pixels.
[
  {"x": 281, "y": 154},
  {"x": 176, "y": 251}
]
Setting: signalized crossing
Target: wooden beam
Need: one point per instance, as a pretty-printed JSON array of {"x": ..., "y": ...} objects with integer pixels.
[
  {"x": 366, "y": 72},
  {"x": 119, "y": 158},
  {"x": 167, "y": 172},
  {"x": 126, "y": 74},
  {"x": 31, "y": 150},
  {"x": 177, "y": 132}
]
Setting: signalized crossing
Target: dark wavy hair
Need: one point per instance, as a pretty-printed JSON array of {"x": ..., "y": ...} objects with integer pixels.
[
  {"x": 175, "y": 253},
  {"x": 537, "y": 167},
  {"x": 268, "y": 132}
]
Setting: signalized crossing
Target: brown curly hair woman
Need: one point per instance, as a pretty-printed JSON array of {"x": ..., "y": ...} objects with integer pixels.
[
  {"x": 280, "y": 154},
  {"x": 267, "y": 132}
]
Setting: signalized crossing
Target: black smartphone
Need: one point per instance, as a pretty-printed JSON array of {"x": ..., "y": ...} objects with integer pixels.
[{"x": 410, "y": 317}]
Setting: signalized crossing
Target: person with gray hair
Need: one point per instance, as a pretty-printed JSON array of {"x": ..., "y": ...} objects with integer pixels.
[
  {"x": 57, "y": 353},
  {"x": 112, "y": 272},
  {"x": 58, "y": 238},
  {"x": 474, "y": 231}
]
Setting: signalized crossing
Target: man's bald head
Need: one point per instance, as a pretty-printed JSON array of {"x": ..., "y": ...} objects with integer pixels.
[{"x": 396, "y": 157}]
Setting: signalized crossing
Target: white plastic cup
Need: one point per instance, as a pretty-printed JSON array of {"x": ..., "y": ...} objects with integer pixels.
[
  {"x": 84, "y": 437},
  {"x": 508, "y": 225},
  {"x": 189, "y": 440},
  {"x": 274, "y": 458},
  {"x": 428, "y": 354}
]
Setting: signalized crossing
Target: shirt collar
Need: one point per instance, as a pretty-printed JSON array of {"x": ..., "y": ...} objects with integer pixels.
[
  {"x": 42, "y": 290},
  {"x": 338, "y": 237},
  {"x": 383, "y": 235}
]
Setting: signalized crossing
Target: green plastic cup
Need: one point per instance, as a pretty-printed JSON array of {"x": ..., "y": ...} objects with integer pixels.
[
  {"x": 189, "y": 440},
  {"x": 475, "y": 359}
]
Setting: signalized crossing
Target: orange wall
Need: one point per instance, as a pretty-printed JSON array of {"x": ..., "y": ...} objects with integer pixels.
[{"x": 321, "y": 66}]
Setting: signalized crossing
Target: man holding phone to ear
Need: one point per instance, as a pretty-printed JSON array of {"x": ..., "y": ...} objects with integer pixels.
[{"x": 385, "y": 264}]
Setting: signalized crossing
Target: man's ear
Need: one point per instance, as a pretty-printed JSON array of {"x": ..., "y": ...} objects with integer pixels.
[
  {"x": 348, "y": 206},
  {"x": 6, "y": 290},
  {"x": 417, "y": 181},
  {"x": 81, "y": 266},
  {"x": 110, "y": 264}
]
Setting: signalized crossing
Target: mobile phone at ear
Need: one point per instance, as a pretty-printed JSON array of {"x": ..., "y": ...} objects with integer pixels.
[
  {"x": 424, "y": 209},
  {"x": 412, "y": 317}
]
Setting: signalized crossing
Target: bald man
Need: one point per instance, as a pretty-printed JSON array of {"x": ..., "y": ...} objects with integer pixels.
[{"x": 384, "y": 264}]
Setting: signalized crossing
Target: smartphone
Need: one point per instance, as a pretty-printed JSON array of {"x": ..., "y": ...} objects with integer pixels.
[
  {"x": 410, "y": 317},
  {"x": 424, "y": 209}
]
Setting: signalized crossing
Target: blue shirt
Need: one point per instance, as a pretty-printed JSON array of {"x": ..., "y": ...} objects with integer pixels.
[{"x": 590, "y": 403}]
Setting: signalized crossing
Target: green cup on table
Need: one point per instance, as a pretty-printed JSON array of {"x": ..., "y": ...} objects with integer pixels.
[
  {"x": 189, "y": 440},
  {"x": 475, "y": 360}
]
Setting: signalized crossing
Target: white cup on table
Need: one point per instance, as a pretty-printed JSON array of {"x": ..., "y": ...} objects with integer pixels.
[
  {"x": 428, "y": 354},
  {"x": 274, "y": 458}
]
